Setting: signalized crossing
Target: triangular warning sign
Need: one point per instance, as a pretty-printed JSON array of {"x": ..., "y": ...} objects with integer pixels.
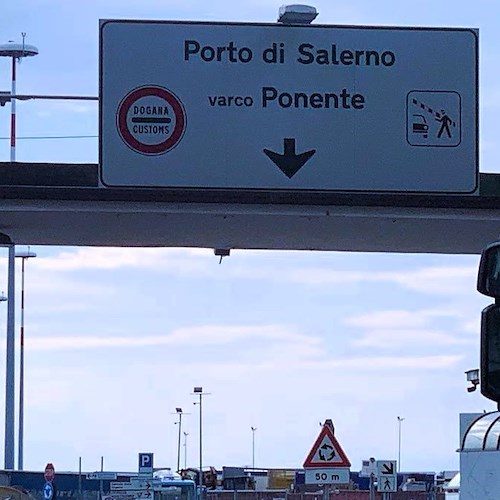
[{"x": 326, "y": 451}]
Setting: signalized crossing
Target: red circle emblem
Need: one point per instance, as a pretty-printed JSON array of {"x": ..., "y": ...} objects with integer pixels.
[{"x": 151, "y": 120}]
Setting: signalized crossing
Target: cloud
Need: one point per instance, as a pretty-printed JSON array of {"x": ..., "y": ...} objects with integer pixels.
[
  {"x": 263, "y": 348},
  {"x": 397, "y": 319},
  {"x": 247, "y": 265},
  {"x": 396, "y": 329},
  {"x": 394, "y": 339},
  {"x": 434, "y": 280},
  {"x": 294, "y": 352},
  {"x": 439, "y": 362},
  {"x": 118, "y": 258},
  {"x": 200, "y": 336}
]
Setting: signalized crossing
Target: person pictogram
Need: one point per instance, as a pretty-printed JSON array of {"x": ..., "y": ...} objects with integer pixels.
[
  {"x": 387, "y": 484},
  {"x": 445, "y": 121}
]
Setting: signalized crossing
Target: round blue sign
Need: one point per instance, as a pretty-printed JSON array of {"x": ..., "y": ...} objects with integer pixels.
[{"x": 48, "y": 491}]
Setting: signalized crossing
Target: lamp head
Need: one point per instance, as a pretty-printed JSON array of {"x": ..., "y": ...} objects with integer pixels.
[{"x": 297, "y": 14}]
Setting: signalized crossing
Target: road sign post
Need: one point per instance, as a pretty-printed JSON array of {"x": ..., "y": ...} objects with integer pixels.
[
  {"x": 288, "y": 108},
  {"x": 146, "y": 464},
  {"x": 387, "y": 476},
  {"x": 327, "y": 463}
]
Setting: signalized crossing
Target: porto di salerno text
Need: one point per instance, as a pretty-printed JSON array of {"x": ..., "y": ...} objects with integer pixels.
[{"x": 306, "y": 54}]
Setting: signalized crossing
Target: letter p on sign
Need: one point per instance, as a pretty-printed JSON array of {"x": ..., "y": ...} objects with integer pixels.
[{"x": 146, "y": 463}]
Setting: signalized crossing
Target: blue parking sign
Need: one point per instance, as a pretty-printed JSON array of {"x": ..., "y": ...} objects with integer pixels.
[{"x": 146, "y": 463}]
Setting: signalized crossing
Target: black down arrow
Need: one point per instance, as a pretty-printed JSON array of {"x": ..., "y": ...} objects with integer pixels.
[{"x": 289, "y": 162}]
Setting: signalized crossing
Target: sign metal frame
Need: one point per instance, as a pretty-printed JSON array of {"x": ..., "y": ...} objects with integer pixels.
[{"x": 304, "y": 191}]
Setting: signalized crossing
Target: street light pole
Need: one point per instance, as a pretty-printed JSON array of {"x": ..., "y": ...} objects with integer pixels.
[
  {"x": 10, "y": 374},
  {"x": 23, "y": 256},
  {"x": 179, "y": 412},
  {"x": 253, "y": 446},
  {"x": 198, "y": 391},
  {"x": 400, "y": 420},
  {"x": 15, "y": 51},
  {"x": 179, "y": 423},
  {"x": 185, "y": 449}
]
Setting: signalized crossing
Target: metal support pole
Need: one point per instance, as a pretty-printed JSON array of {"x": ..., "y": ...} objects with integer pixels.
[
  {"x": 198, "y": 391},
  {"x": 13, "y": 114},
  {"x": 20, "y": 440},
  {"x": 400, "y": 420},
  {"x": 201, "y": 444},
  {"x": 80, "y": 478},
  {"x": 101, "y": 484},
  {"x": 10, "y": 365},
  {"x": 179, "y": 444},
  {"x": 185, "y": 449},
  {"x": 372, "y": 486},
  {"x": 20, "y": 454},
  {"x": 326, "y": 492},
  {"x": 253, "y": 446}
]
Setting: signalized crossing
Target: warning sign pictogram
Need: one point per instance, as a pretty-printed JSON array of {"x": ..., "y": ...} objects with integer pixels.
[
  {"x": 151, "y": 120},
  {"x": 326, "y": 451},
  {"x": 433, "y": 118}
]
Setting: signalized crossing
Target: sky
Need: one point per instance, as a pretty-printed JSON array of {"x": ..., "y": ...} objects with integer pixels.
[{"x": 117, "y": 338}]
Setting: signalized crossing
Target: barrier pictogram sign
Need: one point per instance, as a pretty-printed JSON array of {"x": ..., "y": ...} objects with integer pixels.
[
  {"x": 434, "y": 118},
  {"x": 326, "y": 451}
]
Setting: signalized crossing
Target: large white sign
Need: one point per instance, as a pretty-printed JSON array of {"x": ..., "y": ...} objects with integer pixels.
[{"x": 288, "y": 108}]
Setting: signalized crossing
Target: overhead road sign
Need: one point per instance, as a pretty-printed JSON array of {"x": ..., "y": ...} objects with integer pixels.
[
  {"x": 267, "y": 107},
  {"x": 326, "y": 451}
]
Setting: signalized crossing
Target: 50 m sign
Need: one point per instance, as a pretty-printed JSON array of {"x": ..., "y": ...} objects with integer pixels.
[{"x": 338, "y": 475}]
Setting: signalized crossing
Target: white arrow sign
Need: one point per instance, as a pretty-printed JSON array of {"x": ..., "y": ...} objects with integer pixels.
[
  {"x": 387, "y": 475},
  {"x": 110, "y": 476}
]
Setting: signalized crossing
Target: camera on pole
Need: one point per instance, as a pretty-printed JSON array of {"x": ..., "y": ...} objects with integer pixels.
[{"x": 488, "y": 283}]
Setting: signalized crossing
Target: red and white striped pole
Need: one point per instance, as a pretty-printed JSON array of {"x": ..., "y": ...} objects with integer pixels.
[
  {"x": 15, "y": 51},
  {"x": 13, "y": 113}
]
